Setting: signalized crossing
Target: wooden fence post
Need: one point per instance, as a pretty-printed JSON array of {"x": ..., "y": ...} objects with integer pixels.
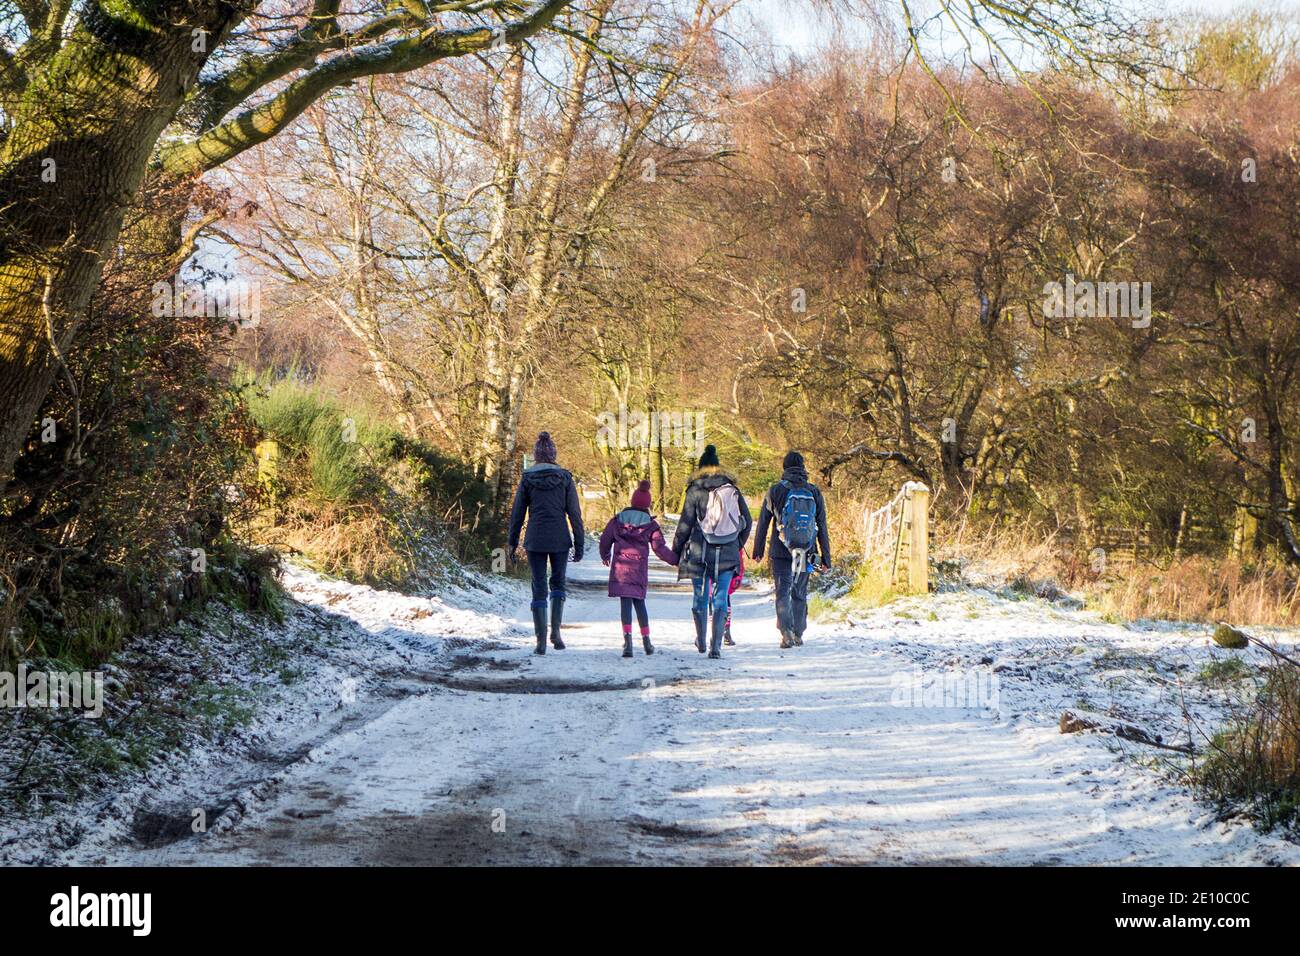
[{"x": 918, "y": 558}]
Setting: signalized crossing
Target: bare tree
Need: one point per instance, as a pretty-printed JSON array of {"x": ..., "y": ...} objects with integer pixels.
[{"x": 480, "y": 204}]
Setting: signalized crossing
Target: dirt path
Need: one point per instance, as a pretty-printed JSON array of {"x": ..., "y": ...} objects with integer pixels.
[{"x": 769, "y": 756}]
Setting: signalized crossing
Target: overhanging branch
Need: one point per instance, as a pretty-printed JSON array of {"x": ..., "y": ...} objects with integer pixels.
[
  {"x": 399, "y": 55},
  {"x": 863, "y": 450}
]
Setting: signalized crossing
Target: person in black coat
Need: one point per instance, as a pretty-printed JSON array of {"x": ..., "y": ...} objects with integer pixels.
[
  {"x": 709, "y": 565},
  {"x": 791, "y": 587},
  {"x": 548, "y": 495}
]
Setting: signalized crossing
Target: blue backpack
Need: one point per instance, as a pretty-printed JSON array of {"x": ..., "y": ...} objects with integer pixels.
[{"x": 798, "y": 518}]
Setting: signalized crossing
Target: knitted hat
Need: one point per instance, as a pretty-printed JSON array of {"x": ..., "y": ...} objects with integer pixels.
[
  {"x": 792, "y": 460},
  {"x": 544, "y": 450},
  {"x": 710, "y": 457},
  {"x": 641, "y": 497}
]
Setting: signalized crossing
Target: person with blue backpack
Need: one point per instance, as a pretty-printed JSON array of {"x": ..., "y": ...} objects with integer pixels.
[
  {"x": 796, "y": 512},
  {"x": 711, "y": 532}
]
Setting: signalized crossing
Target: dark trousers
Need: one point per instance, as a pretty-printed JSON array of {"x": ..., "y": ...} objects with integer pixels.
[
  {"x": 537, "y": 564},
  {"x": 627, "y": 605},
  {"x": 791, "y": 596}
]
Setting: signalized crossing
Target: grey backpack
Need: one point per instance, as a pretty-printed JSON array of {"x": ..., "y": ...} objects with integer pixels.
[{"x": 721, "y": 521}]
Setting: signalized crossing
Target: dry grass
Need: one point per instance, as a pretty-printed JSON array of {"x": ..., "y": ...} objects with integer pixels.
[
  {"x": 357, "y": 543},
  {"x": 1188, "y": 588},
  {"x": 872, "y": 587},
  {"x": 1021, "y": 555},
  {"x": 844, "y": 521},
  {"x": 1201, "y": 589}
]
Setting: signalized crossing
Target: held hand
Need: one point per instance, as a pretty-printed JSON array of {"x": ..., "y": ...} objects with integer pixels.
[
  {"x": 519, "y": 553},
  {"x": 605, "y": 561}
]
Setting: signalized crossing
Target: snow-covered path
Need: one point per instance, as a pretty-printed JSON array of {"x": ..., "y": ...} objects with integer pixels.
[{"x": 767, "y": 756}]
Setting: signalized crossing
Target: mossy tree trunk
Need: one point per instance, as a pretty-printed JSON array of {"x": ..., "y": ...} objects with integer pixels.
[
  {"x": 88, "y": 101},
  {"x": 82, "y": 134}
]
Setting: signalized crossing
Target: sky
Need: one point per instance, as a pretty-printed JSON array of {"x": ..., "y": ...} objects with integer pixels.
[{"x": 795, "y": 26}]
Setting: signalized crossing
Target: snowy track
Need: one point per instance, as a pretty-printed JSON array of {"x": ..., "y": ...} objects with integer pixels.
[{"x": 768, "y": 756}]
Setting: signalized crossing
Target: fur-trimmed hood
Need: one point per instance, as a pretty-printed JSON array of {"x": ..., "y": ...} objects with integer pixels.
[{"x": 710, "y": 471}]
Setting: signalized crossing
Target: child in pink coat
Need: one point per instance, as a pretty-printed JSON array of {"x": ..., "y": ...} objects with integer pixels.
[{"x": 625, "y": 549}]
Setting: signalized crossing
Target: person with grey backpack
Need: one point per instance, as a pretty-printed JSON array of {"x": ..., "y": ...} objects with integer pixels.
[
  {"x": 796, "y": 511},
  {"x": 713, "y": 528}
]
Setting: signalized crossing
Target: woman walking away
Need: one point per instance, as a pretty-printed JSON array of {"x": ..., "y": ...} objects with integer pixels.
[
  {"x": 625, "y": 549},
  {"x": 712, "y": 531},
  {"x": 548, "y": 495}
]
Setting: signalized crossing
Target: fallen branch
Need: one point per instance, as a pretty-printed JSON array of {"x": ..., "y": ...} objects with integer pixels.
[{"x": 1073, "y": 722}]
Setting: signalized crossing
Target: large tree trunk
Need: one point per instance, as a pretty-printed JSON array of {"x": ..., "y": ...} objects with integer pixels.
[
  {"x": 96, "y": 111},
  {"x": 498, "y": 285},
  {"x": 1281, "y": 525}
]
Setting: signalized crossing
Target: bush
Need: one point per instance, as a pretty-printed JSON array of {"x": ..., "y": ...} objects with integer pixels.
[
  {"x": 357, "y": 497},
  {"x": 315, "y": 429},
  {"x": 98, "y": 527},
  {"x": 1255, "y": 762}
]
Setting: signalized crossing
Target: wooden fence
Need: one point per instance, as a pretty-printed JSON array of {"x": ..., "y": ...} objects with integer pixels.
[{"x": 897, "y": 537}]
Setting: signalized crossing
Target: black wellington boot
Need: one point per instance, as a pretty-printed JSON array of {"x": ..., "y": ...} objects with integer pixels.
[
  {"x": 557, "y": 612},
  {"x": 627, "y": 645},
  {"x": 719, "y": 625},
  {"x": 701, "y": 625},
  {"x": 539, "y": 627},
  {"x": 645, "y": 642}
]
